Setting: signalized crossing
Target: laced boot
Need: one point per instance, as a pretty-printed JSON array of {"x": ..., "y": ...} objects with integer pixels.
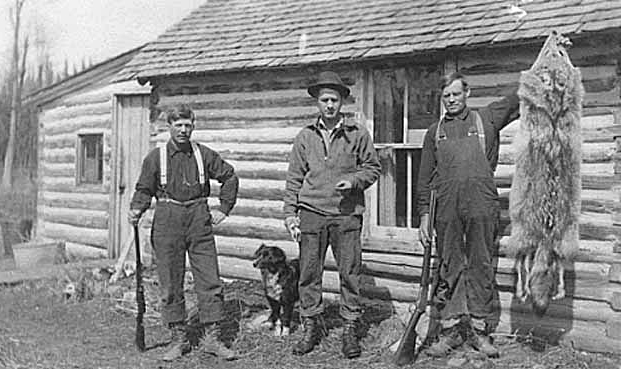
[
  {"x": 450, "y": 339},
  {"x": 481, "y": 341},
  {"x": 351, "y": 346},
  {"x": 311, "y": 337},
  {"x": 211, "y": 343},
  {"x": 179, "y": 344}
]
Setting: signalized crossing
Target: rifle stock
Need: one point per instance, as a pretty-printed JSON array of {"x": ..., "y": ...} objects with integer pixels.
[
  {"x": 139, "y": 295},
  {"x": 406, "y": 352}
]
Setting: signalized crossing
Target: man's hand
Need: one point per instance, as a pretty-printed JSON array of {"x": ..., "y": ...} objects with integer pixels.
[
  {"x": 292, "y": 223},
  {"x": 343, "y": 185},
  {"x": 217, "y": 216},
  {"x": 133, "y": 216},
  {"x": 422, "y": 229}
]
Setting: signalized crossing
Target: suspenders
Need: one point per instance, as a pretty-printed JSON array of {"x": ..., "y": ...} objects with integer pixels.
[
  {"x": 480, "y": 131},
  {"x": 164, "y": 163}
]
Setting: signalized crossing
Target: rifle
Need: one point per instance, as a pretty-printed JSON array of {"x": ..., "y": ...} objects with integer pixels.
[
  {"x": 139, "y": 295},
  {"x": 406, "y": 352}
]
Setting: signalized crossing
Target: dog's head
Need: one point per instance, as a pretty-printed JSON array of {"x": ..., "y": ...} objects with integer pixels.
[{"x": 271, "y": 258}]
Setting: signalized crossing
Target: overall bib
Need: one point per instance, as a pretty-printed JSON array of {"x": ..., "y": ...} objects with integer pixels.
[{"x": 466, "y": 226}]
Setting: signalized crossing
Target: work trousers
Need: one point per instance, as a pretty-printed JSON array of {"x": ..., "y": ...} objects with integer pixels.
[
  {"x": 342, "y": 232},
  {"x": 178, "y": 229}
]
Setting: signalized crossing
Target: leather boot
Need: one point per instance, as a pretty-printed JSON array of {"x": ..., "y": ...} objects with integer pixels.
[
  {"x": 481, "y": 341},
  {"x": 179, "y": 344},
  {"x": 311, "y": 337},
  {"x": 449, "y": 339},
  {"x": 351, "y": 346},
  {"x": 211, "y": 343}
]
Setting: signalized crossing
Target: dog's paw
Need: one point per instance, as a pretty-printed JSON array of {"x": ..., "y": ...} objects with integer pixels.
[
  {"x": 285, "y": 331},
  {"x": 268, "y": 324}
]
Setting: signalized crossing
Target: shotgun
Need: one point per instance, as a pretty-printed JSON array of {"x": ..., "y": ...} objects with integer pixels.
[
  {"x": 406, "y": 352},
  {"x": 139, "y": 295}
]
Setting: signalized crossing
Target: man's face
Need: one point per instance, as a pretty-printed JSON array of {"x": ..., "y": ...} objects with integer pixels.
[
  {"x": 181, "y": 130},
  {"x": 454, "y": 98},
  {"x": 329, "y": 103}
]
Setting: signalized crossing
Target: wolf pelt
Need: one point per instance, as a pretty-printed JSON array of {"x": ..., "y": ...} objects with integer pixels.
[{"x": 544, "y": 202}]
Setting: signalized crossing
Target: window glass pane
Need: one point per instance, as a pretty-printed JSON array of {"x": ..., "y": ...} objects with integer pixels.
[
  {"x": 91, "y": 163},
  {"x": 392, "y": 188},
  {"x": 423, "y": 95}
]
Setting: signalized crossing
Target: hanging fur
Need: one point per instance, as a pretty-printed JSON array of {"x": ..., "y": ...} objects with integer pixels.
[{"x": 544, "y": 202}]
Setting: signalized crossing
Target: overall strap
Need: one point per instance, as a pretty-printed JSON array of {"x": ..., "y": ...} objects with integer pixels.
[
  {"x": 480, "y": 131},
  {"x": 163, "y": 163},
  {"x": 479, "y": 125},
  {"x": 199, "y": 163}
]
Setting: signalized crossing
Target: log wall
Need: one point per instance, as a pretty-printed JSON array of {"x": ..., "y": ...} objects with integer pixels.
[
  {"x": 75, "y": 213},
  {"x": 251, "y": 120}
]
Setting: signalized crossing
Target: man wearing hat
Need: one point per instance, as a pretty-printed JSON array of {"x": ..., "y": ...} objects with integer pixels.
[{"x": 332, "y": 162}]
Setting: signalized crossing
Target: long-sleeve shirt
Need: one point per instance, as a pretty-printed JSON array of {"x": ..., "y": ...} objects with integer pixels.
[
  {"x": 318, "y": 162},
  {"x": 182, "y": 177},
  {"x": 495, "y": 117}
]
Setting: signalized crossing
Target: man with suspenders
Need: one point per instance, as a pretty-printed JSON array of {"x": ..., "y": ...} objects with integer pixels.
[
  {"x": 459, "y": 157},
  {"x": 177, "y": 174}
]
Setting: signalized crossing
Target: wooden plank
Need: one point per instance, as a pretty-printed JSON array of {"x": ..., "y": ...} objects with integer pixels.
[
  {"x": 97, "y": 219},
  {"x": 86, "y": 236},
  {"x": 92, "y": 201}
]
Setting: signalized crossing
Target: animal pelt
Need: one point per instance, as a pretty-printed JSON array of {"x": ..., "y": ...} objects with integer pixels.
[
  {"x": 280, "y": 283},
  {"x": 544, "y": 203}
]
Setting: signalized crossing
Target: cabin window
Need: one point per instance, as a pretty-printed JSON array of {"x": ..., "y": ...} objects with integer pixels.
[
  {"x": 90, "y": 158},
  {"x": 406, "y": 101}
]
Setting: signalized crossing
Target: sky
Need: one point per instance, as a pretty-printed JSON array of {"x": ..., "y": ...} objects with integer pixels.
[{"x": 92, "y": 29}]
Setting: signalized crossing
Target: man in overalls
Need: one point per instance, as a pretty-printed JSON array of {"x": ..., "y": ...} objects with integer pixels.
[
  {"x": 459, "y": 157},
  {"x": 177, "y": 175}
]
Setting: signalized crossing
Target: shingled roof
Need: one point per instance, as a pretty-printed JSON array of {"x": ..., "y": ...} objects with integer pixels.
[{"x": 256, "y": 34}]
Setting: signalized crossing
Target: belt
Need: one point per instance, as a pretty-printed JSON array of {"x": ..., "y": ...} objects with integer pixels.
[{"x": 183, "y": 203}]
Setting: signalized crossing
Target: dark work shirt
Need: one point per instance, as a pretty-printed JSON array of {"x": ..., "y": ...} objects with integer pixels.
[
  {"x": 183, "y": 178},
  {"x": 495, "y": 117}
]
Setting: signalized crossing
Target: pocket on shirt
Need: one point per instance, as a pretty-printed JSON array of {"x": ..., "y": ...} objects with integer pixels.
[{"x": 346, "y": 162}]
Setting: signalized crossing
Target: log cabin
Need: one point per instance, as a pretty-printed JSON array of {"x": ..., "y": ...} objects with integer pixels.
[
  {"x": 82, "y": 120},
  {"x": 244, "y": 67}
]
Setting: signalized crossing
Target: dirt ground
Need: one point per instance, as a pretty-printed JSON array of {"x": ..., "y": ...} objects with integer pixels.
[{"x": 42, "y": 328}]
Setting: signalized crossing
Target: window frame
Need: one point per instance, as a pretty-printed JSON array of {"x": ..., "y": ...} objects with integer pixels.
[{"x": 80, "y": 157}]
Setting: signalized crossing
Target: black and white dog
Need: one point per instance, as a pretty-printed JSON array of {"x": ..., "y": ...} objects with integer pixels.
[{"x": 280, "y": 283}]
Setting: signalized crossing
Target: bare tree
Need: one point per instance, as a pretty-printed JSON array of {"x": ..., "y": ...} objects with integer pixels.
[{"x": 17, "y": 79}]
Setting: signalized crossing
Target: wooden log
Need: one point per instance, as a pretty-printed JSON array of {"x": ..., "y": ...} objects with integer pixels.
[
  {"x": 49, "y": 271},
  {"x": 81, "y": 235},
  {"x": 67, "y": 184},
  {"x": 249, "y": 101},
  {"x": 595, "y": 135},
  {"x": 597, "y": 201},
  {"x": 80, "y": 110},
  {"x": 56, "y": 169},
  {"x": 258, "y": 189},
  {"x": 257, "y": 135},
  {"x": 227, "y": 123},
  {"x": 260, "y": 170},
  {"x": 615, "y": 302},
  {"x": 591, "y": 153},
  {"x": 256, "y": 208},
  {"x": 371, "y": 287},
  {"x": 77, "y": 217},
  {"x": 270, "y": 95},
  {"x": 64, "y": 155}
]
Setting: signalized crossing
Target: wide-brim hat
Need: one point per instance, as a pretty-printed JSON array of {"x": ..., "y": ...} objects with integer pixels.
[{"x": 331, "y": 80}]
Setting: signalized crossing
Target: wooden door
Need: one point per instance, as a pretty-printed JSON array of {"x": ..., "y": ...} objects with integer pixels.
[{"x": 130, "y": 134}]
